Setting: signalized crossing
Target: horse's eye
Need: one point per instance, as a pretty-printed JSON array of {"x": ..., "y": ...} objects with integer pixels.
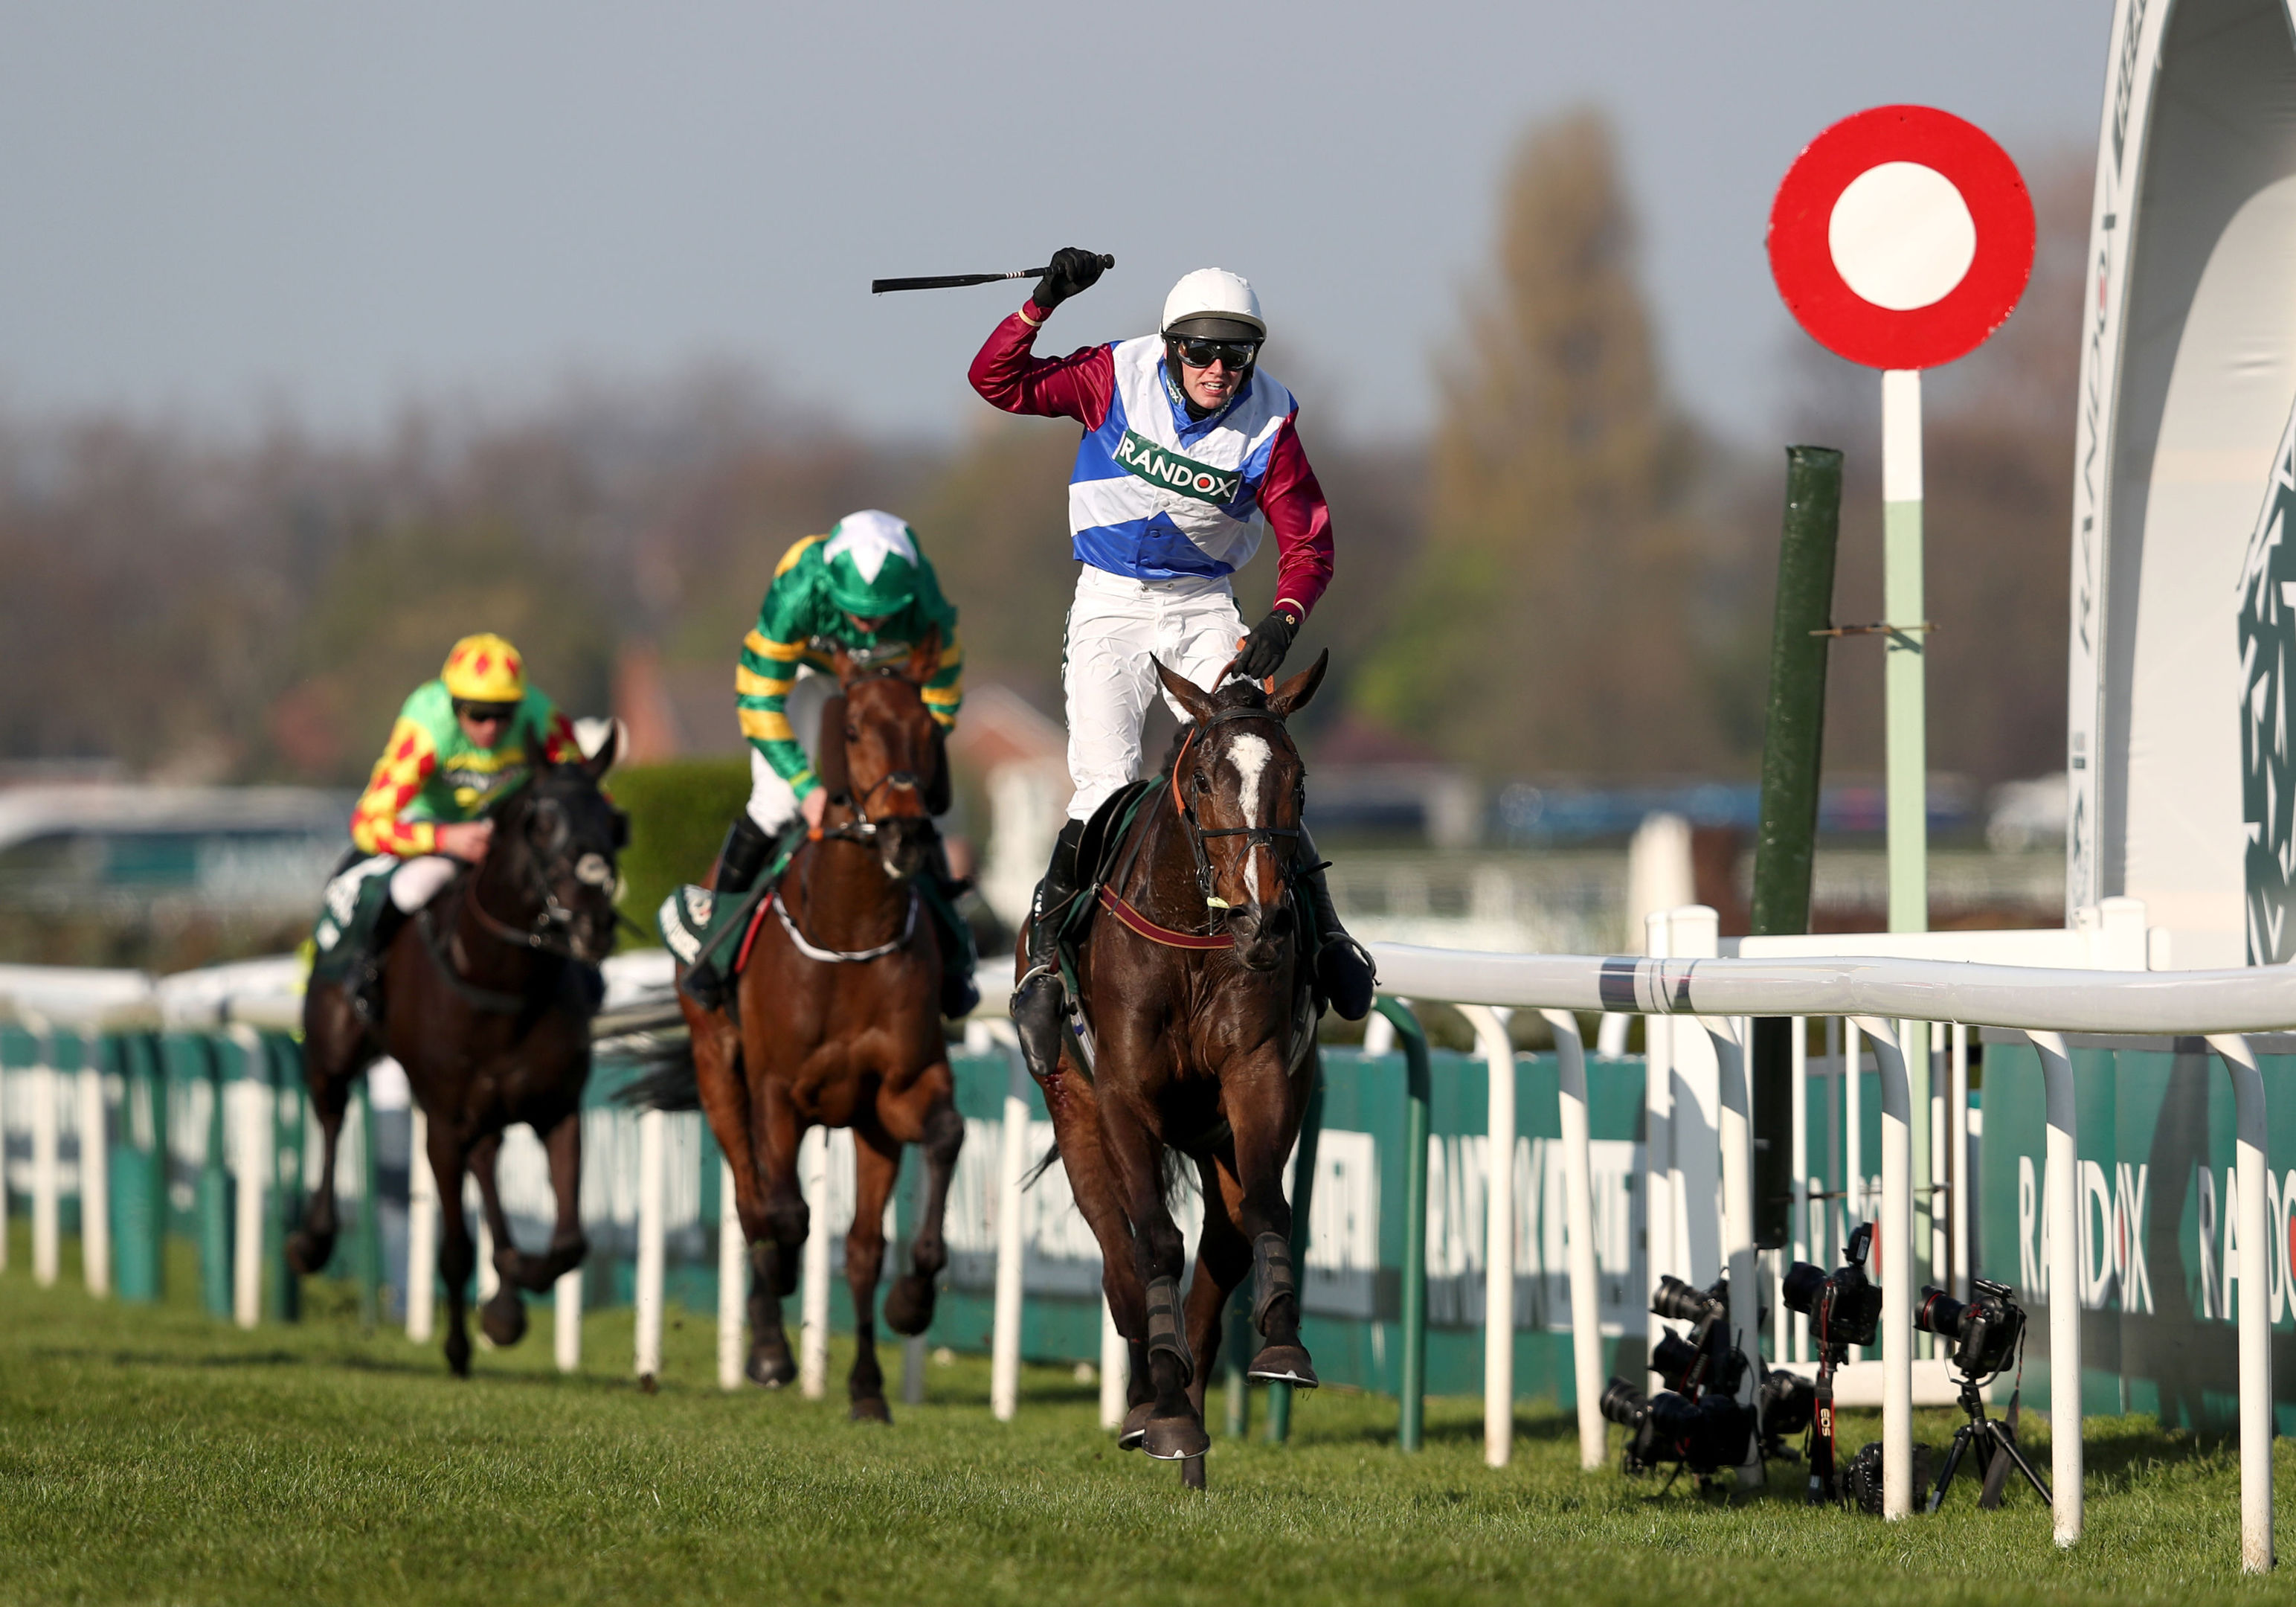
[{"x": 852, "y": 733}]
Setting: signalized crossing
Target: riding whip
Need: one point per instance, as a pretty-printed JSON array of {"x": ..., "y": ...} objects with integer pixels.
[{"x": 878, "y": 287}]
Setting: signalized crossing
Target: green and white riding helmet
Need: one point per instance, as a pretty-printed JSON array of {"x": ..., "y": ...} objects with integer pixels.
[{"x": 874, "y": 564}]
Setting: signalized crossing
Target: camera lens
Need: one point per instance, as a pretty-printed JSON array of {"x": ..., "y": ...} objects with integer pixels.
[
  {"x": 1672, "y": 1358},
  {"x": 1788, "y": 1402},
  {"x": 1803, "y": 1284},
  {"x": 1679, "y": 1301},
  {"x": 1940, "y": 1312},
  {"x": 1623, "y": 1403}
]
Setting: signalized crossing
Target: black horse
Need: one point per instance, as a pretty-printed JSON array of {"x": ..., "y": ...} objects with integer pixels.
[{"x": 487, "y": 1001}]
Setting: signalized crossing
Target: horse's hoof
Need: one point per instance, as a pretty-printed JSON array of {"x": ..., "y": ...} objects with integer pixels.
[
  {"x": 870, "y": 1409},
  {"x": 458, "y": 1357},
  {"x": 1175, "y": 1439},
  {"x": 1136, "y": 1426},
  {"x": 1283, "y": 1365},
  {"x": 1192, "y": 1473},
  {"x": 503, "y": 1319},
  {"x": 909, "y": 1305},
  {"x": 771, "y": 1368},
  {"x": 307, "y": 1252}
]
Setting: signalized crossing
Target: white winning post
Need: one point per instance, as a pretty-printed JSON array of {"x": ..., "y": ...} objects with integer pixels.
[
  {"x": 1893, "y": 1248},
  {"x": 1499, "y": 1233}
]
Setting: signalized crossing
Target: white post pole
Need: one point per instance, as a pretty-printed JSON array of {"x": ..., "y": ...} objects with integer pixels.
[
  {"x": 1904, "y": 657},
  {"x": 565, "y": 1324},
  {"x": 422, "y": 1233},
  {"x": 813, "y": 1294},
  {"x": 1957, "y": 1169},
  {"x": 1854, "y": 1207},
  {"x": 733, "y": 1281},
  {"x": 1795, "y": 1344},
  {"x": 46, "y": 1167},
  {"x": 1578, "y": 1226},
  {"x": 251, "y": 1092},
  {"x": 95, "y": 1181},
  {"x": 2063, "y": 1215},
  {"x": 1005, "y": 1339},
  {"x": 2250, "y": 1135},
  {"x": 1736, "y": 1133},
  {"x": 1658, "y": 1147},
  {"x": 1894, "y": 1249},
  {"x": 653, "y": 1136},
  {"x": 1115, "y": 1370},
  {"x": 1499, "y": 1233}
]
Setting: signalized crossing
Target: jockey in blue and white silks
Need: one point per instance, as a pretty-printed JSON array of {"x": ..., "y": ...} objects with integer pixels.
[{"x": 1190, "y": 455}]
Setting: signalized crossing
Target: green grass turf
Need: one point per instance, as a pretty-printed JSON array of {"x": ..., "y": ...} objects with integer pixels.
[{"x": 152, "y": 1454}]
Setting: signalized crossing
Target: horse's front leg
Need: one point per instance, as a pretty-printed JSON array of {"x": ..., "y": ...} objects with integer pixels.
[
  {"x": 877, "y": 1162},
  {"x": 1093, "y": 1181},
  {"x": 1175, "y": 1428},
  {"x": 1223, "y": 1259},
  {"x": 503, "y": 1316},
  {"x": 926, "y": 1116},
  {"x": 1263, "y": 1104},
  {"x": 457, "y": 1256},
  {"x": 567, "y": 1245},
  {"x": 329, "y": 1077},
  {"x": 774, "y": 1220}
]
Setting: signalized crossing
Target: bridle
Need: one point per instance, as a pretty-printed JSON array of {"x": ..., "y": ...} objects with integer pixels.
[
  {"x": 862, "y": 828},
  {"x": 1195, "y": 831},
  {"x": 550, "y": 931}
]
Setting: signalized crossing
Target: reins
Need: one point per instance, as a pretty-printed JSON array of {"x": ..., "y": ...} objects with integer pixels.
[{"x": 1195, "y": 831}]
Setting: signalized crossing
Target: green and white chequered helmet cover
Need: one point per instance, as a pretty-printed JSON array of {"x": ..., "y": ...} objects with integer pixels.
[{"x": 873, "y": 563}]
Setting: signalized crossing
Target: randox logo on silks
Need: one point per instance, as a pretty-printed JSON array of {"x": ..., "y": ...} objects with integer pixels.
[{"x": 1158, "y": 466}]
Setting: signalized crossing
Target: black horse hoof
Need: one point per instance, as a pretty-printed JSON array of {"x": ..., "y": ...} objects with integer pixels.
[
  {"x": 909, "y": 1305},
  {"x": 870, "y": 1409},
  {"x": 1283, "y": 1365},
  {"x": 772, "y": 1368},
  {"x": 1192, "y": 1473},
  {"x": 503, "y": 1319},
  {"x": 1136, "y": 1427},
  {"x": 458, "y": 1355},
  {"x": 307, "y": 1252},
  {"x": 1175, "y": 1439}
]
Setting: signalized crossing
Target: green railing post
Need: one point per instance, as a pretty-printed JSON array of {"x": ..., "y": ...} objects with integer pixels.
[
  {"x": 1303, "y": 1200},
  {"x": 367, "y": 1247},
  {"x": 139, "y": 1169},
  {"x": 1411, "y": 1418},
  {"x": 214, "y": 1213}
]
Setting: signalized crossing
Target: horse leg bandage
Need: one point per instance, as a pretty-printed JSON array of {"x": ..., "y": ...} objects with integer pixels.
[
  {"x": 1166, "y": 1331},
  {"x": 1271, "y": 1269}
]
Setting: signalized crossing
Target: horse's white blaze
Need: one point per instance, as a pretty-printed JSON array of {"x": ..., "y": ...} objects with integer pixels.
[{"x": 1250, "y": 754}]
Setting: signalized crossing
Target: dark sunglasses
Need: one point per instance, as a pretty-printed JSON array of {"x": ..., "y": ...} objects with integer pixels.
[
  {"x": 486, "y": 714},
  {"x": 1201, "y": 354}
]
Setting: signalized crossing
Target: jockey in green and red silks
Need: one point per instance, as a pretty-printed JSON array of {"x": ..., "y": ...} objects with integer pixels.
[
  {"x": 1189, "y": 454},
  {"x": 867, "y": 588}
]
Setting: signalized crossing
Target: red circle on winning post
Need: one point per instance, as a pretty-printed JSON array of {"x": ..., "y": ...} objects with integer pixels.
[{"x": 1846, "y": 210}]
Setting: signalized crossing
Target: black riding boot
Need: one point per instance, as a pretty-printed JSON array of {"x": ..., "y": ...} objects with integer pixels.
[
  {"x": 366, "y": 973},
  {"x": 744, "y": 854},
  {"x": 1040, "y": 1001},
  {"x": 1344, "y": 972}
]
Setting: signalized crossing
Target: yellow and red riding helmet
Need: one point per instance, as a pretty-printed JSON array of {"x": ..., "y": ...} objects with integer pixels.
[{"x": 485, "y": 669}]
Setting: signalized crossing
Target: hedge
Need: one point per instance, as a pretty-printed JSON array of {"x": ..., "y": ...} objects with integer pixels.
[{"x": 678, "y": 815}]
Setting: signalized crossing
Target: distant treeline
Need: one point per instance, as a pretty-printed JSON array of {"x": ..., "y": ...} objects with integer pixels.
[{"x": 1567, "y": 576}]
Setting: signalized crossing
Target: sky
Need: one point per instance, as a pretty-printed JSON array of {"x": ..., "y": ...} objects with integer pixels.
[{"x": 228, "y": 213}]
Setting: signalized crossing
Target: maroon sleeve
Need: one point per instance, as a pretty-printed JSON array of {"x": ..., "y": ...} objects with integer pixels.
[
  {"x": 1301, "y": 520},
  {"x": 1007, "y": 374}
]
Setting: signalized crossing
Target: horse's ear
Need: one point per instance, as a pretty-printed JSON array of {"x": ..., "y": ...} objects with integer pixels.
[
  {"x": 1184, "y": 692},
  {"x": 618, "y": 737},
  {"x": 1292, "y": 696},
  {"x": 924, "y": 658}
]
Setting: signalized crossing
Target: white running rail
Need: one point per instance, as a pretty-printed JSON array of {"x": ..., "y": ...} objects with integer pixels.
[{"x": 1877, "y": 994}]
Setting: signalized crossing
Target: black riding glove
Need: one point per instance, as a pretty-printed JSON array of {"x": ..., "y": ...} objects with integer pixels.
[
  {"x": 1262, "y": 653},
  {"x": 1072, "y": 270}
]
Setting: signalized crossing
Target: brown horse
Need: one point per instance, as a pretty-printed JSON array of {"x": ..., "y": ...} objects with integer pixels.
[
  {"x": 1199, "y": 1003},
  {"x": 835, "y": 1022},
  {"x": 486, "y": 1001}
]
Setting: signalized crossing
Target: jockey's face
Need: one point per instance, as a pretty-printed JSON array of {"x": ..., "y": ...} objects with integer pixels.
[
  {"x": 868, "y": 624},
  {"x": 484, "y": 724}
]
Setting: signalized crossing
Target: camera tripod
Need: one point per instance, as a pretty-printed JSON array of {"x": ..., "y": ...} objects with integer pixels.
[{"x": 1996, "y": 1453}]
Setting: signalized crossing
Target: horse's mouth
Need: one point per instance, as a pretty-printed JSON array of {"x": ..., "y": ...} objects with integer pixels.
[{"x": 1263, "y": 935}]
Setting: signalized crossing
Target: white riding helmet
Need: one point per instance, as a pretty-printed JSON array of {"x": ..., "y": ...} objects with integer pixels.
[{"x": 1215, "y": 304}]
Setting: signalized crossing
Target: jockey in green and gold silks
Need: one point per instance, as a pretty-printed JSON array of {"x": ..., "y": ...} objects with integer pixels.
[{"x": 865, "y": 587}]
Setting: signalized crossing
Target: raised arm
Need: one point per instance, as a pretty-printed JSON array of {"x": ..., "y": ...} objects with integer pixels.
[{"x": 1008, "y": 375}]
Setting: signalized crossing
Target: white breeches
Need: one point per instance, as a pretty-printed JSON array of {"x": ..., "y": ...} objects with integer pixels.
[
  {"x": 1115, "y": 625},
  {"x": 772, "y": 804},
  {"x": 416, "y": 881}
]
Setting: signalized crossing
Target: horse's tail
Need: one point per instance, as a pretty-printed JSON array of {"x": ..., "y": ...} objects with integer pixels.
[
  {"x": 1044, "y": 1164},
  {"x": 666, "y": 1078}
]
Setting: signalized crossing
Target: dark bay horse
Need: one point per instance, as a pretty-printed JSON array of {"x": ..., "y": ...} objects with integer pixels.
[
  {"x": 835, "y": 1022},
  {"x": 1197, "y": 993},
  {"x": 486, "y": 1003}
]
